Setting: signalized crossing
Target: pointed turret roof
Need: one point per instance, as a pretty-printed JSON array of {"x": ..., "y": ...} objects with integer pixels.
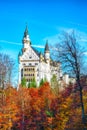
[
  {"x": 26, "y": 31},
  {"x": 46, "y": 46}
]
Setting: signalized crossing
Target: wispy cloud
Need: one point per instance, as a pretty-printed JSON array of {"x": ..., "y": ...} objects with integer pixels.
[
  {"x": 85, "y": 53},
  {"x": 83, "y": 40},
  {"x": 37, "y": 46},
  {"x": 4, "y": 41},
  {"x": 19, "y": 44},
  {"x": 77, "y": 24},
  {"x": 81, "y": 36}
]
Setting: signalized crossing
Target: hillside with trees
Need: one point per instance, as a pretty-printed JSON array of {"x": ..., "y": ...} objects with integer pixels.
[
  {"x": 48, "y": 106},
  {"x": 42, "y": 109}
]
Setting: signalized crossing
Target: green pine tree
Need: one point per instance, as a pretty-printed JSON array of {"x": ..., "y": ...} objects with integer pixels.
[
  {"x": 23, "y": 82},
  {"x": 33, "y": 84}
]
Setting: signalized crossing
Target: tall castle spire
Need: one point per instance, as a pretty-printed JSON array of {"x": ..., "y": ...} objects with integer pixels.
[
  {"x": 47, "y": 52},
  {"x": 26, "y": 39},
  {"x": 26, "y": 31},
  {"x": 46, "y": 46}
]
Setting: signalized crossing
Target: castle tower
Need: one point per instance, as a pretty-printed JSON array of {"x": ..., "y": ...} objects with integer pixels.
[
  {"x": 47, "y": 52},
  {"x": 33, "y": 64},
  {"x": 26, "y": 39}
]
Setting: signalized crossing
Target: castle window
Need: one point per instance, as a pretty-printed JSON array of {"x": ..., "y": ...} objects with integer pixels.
[
  {"x": 29, "y": 63},
  {"x": 30, "y": 57},
  {"x": 36, "y": 63},
  {"x": 21, "y": 72},
  {"x": 24, "y": 74},
  {"x": 29, "y": 69},
  {"x": 27, "y": 80}
]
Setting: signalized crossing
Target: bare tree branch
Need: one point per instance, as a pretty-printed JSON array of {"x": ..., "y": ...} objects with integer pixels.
[{"x": 6, "y": 69}]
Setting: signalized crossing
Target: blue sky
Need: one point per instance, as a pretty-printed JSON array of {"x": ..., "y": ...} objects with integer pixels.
[{"x": 45, "y": 18}]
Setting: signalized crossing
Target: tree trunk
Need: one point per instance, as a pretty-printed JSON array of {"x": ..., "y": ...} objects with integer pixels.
[{"x": 81, "y": 101}]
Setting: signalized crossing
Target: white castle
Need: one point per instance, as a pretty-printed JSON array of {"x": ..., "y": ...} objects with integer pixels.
[{"x": 35, "y": 65}]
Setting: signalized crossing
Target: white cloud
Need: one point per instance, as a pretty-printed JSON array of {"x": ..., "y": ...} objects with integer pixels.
[
  {"x": 77, "y": 24},
  {"x": 37, "y": 46},
  {"x": 19, "y": 44},
  {"x": 81, "y": 36},
  {"x": 85, "y": 53},
  {"x": 83, "y": 40},
  {"x": 4, "y": 41},
  {"x": 63, "y": 29}
]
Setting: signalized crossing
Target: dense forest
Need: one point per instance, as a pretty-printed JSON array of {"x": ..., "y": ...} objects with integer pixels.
[{"x": 42, "y": 108}]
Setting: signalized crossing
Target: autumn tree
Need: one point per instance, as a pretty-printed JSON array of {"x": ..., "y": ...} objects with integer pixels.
[
  {"x": 8, "y": 108},
  {"x": 75, "y": 121},
  {"x": 23, "y": 103},
  {"x": 71, "y": 55},
  {"x": 42, "y": 81},
  {"x": 31, "y": 102},
  {"x": 55, "y": 85}
]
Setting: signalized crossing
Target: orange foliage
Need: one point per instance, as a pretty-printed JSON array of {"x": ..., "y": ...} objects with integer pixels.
[
  {"x": 9, "y": 108},
  {"x": 40, "y": 109}
]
